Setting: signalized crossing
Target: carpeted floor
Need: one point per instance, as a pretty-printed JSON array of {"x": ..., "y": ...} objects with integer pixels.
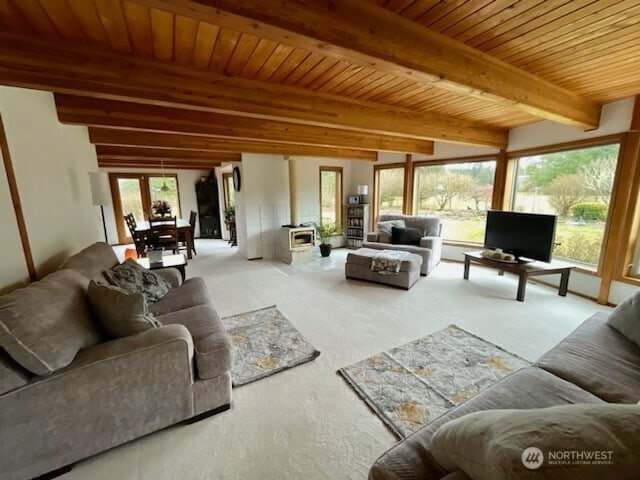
[{"x": 306, "y": 422}]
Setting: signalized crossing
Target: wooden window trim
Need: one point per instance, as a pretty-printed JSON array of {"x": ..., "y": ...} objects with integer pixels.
[
  {"x": 143, "y": 179},
  {"x": 562, "y": 147},
  {"x": 339, "y": 191},
  {"x": 376, "y": 186},
  {"x": 225, "y": 188},
  {"x": 612, "y": 219},
  {"x": 168, "y": 175}
]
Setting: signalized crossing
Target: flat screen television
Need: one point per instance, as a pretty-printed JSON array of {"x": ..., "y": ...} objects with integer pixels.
[{"x": 528, "y": 236}]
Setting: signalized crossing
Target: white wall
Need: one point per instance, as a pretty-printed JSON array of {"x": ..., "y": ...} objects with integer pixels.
[
  {"x": 615, "y": 118},
  {"x": 262, "y": 204},
  {"x": 13, "y": 273},
  {"x": 51, "y": 163},
  {"x": 187, "y": 180}
]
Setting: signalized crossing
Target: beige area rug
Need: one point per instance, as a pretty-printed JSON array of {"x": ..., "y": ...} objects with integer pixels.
[
  {"x": 411, "y": 385},
  {"x": 265, "y": 343}
]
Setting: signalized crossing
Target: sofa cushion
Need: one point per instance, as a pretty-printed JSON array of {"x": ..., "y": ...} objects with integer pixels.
[
  {"x": 429, "y": 224},
  {"x": 384, "y": 229},
  {"x": 134, "y": 278},
  {"x": 191, "y": 293},
  {"x": 405, "y": 236},
  {"x": 363, "y": 257},
  {"x": 626, "y": 318},
  {"x": 213, "y": 349},
  {"x": 526, "y": 388},
  {"x": 120, "y": 313},
  {"x": 44, "y": 325},
  {"x": 92, "y": 261},
  {"x": 12, "y": 375},
  {"x": 598, "y": 359},
  {"x": 492, "y": 445}
]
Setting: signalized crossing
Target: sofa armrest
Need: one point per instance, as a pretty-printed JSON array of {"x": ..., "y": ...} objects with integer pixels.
[
  {"x": 111, "y": 393},
  {"x": 372, "y": 237},
  {"x": 171, "y": 275},
  {"x": 435, "y": 245}
]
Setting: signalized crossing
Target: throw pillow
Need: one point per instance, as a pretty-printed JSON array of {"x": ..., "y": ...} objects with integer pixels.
[
  {"x": 406, "y": 236},
  {"x": 44, "y": 325},
  {"x": 120, "y": 313},
  {"x": 134, "y": 278},
  {"x": 626, "y": 318},
  {"x": 384, "y": 229},
  {"x": 539, "y": 443}
]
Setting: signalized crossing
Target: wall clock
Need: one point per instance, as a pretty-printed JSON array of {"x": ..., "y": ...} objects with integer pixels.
[{"x": 236, "y": 179}]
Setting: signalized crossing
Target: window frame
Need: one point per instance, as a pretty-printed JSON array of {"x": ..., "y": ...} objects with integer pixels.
[
  {"x": 145, "y": 193},
  {"x": 607, "y": 251},
  {"x": 225, "y": 188},
  {"x": 376, "y": 185},
  {"x": 339, "y": 191},
  {"x": 453, "y": 161}
]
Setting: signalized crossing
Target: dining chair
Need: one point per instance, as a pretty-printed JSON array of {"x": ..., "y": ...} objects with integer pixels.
[
  {"x": 166, "y": 228},
  {"x": 138, "y": 239}
]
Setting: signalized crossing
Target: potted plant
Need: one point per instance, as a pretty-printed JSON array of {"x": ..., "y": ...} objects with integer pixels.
[
  {"x": 160, "y": 208},
  {"x": 325, "y": 231},
  {"x": 152, "y": 248},
  {"x": 230, "y": 213}
]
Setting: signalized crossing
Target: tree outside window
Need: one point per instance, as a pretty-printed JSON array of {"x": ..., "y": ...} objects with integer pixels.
[
  {"x": 576, "y": 185},
  {"x": 331, "y": 194},
  {"x": 389, "y": 190},
  {"x": 458, "y": 193}
]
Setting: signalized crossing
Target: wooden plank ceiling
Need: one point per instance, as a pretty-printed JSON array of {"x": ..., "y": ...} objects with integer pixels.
[{"x": 315, "y": 91}]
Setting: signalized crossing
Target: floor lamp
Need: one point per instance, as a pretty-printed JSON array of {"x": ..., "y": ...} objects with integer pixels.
[{"x": 100, "y": 195}]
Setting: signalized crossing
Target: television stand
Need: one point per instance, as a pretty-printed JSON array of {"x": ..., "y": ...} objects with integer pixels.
[{"x": 523, "y": 270}]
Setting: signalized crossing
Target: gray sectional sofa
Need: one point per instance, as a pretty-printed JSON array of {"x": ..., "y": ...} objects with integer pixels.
[
  {"x": 67, "y": 393},
  {"x": 594, "y": 365},
  {"x": 430, "y": 248}
]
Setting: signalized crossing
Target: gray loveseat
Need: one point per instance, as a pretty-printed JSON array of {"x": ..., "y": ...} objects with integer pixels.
[
  {"x": 66, "y": 393},
  {"x": 594, "y": 365},
  {"x": 430, "y": 248}
]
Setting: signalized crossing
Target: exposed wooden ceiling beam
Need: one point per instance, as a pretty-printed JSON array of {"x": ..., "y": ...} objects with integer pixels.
[
  {"x": 79, "y": 70},
  {"x": 165, "y": 154},
  {"x": 106, "y": 162},
  {"x": 131, "y": 138},
  {"x": 108, "y": 113},
  {"x": 364, "y": 33}
]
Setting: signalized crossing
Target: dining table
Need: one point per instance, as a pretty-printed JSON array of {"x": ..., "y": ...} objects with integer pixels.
[{"x": 184, "y": 231}]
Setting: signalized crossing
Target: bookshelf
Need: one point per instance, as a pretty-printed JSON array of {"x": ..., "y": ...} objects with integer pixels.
[{"x": 356, "y": 225}]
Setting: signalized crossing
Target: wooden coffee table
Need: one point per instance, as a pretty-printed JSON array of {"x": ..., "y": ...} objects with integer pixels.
[
  {"x": 178, "y": 261},
  {"x": 523, "y": 270}
]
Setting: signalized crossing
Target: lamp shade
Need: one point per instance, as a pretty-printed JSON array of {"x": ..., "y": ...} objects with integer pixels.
[
  {"x": 363, "y": 189},
  {"x": 99, "y": 191}
]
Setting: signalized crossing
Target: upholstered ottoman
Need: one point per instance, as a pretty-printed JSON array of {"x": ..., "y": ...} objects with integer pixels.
[{"x": 359, "y": 266}]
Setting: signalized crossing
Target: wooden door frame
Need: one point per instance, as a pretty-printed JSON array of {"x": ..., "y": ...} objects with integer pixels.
[{"x": 145, "y": 192}]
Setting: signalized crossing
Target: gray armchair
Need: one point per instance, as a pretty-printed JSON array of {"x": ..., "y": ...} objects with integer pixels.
[{"x": 430, "y": 248}]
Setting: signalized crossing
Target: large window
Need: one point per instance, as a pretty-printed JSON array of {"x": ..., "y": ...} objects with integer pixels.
[
  {"x": 229, "y": 191},
  {"x": 458, "y": 193},
  {"x": 331, "y": 194},
  {"x": 576, "y": 185},
  {"x": 389, "y": 189},
  {"x": 136, "y": 192}
]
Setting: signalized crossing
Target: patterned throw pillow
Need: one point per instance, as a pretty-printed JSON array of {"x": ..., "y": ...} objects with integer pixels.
[{"x": 133, "y": 278}]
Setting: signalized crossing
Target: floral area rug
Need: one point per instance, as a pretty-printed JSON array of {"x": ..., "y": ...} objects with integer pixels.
[
  {"x": 265, "y": 343},
  {"x": 410, "y": 385}
]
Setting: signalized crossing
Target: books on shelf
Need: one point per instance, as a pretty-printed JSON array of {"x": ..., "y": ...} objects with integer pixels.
[{"x": 356, "y": 224}]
